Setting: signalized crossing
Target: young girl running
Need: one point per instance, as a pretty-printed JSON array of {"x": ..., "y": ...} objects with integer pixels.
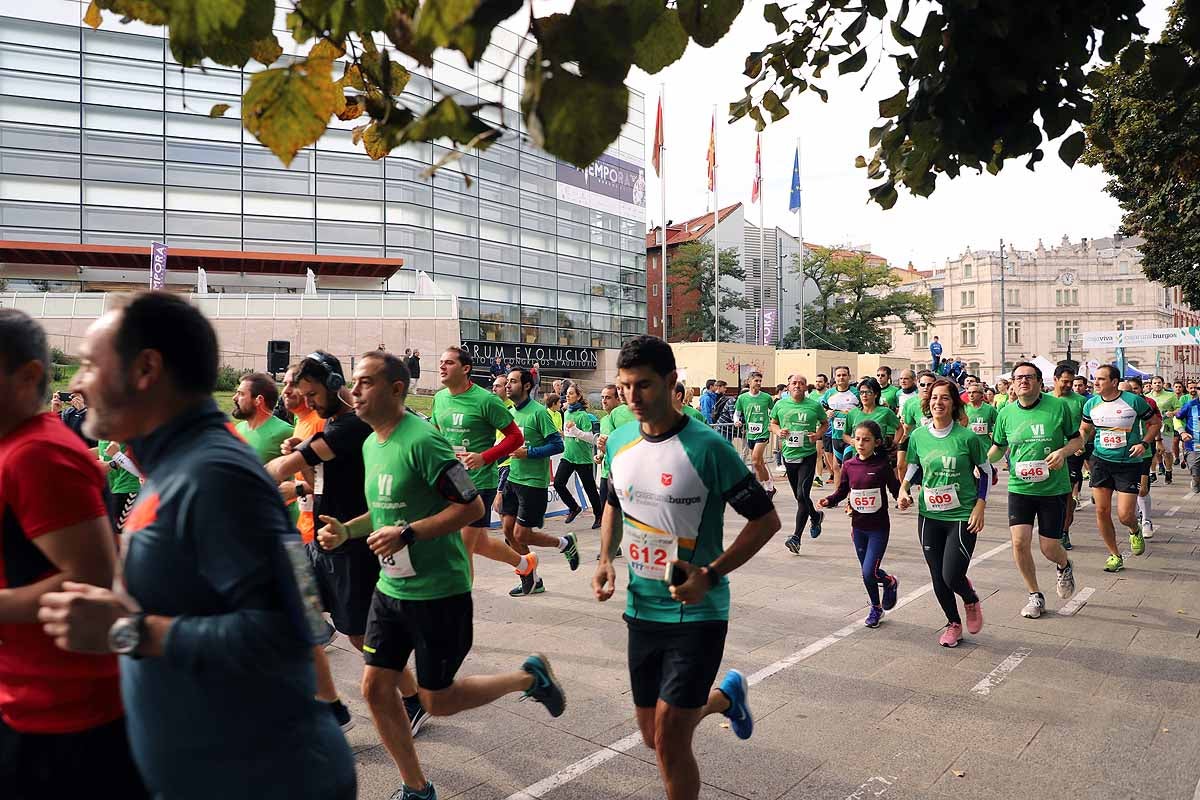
[{"x": 866, "y": 478}]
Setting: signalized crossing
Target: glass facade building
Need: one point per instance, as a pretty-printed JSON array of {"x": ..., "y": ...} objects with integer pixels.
[{"x": 104, "y": 139}]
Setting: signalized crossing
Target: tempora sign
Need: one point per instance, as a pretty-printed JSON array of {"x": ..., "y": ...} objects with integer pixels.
[
  {"x": 1149, "y": 337},
  {"x": 524, "y": 355}
]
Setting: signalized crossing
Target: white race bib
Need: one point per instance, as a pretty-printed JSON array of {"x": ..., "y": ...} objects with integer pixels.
[
  {"x": 795, "y": 439},
  {"x": 754, "y": 428},
  {"x": 306, "y": 503},
  {"x": 398, "y": 564},
  {"x": 1113, "y": 440},
  {"x": 650, "y": 553},
  {"x": 866, "y": 501},
  {"x": 980, "y": 427},
  {"x": 941, "y": 498},
  {"x": 1032, "y": 471},
  {"x": 319, "y": 479},
  {"x": 839, "y": 423}
]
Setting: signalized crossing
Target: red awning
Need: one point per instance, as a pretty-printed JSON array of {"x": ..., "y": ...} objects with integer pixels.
[{"x": 106, "y": 256}]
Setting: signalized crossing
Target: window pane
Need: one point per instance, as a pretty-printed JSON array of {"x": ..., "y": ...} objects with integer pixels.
[
  {"x": 278, "y": 205},
  {"x": 116, "y": 194},
  {"x": 122, "y": 145},
  {"x": 39, "y": 138},
  {"x": 123, "y": 119},
  {"x": 49, "y": 164},
  {"x": 203, "y": 200},
  {"x": 182, "y": 224},
  {"x": 265, "y": 180},
  {"x": 123, "y": 220},
  {"x": 203, "y": 152},
  {"x": 49, "y": 87},
  {"x": 347, "y": 232},
  {"x": 191, "y": 126},
  {"x": 38, "y": 189},
  {"x": 33, "y": 215},
  {"x": 113, "y": 169},
  {"x": 203, "y": 176}
]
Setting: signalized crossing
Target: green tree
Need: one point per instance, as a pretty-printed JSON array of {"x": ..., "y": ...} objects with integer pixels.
[
  {"x": 690, "y": 274},
  {"x": 855, "y": 299},
  {"x": 1145, "y": 133},
  {"x": 574, "y": 97}
]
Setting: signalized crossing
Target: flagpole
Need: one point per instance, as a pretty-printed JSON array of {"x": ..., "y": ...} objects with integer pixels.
[
  {"x": 716, "y": 239},
  {"x": 762, "y": 253},
  {"x": 800, "y": 236},
  {"x": 662, "y": 156}
]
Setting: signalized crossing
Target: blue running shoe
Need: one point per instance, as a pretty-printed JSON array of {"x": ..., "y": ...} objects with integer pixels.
[
  {"x": 814, "y": 527},
  {"x": 734, "y": 687},
  {"x": 793, "y": 544},
  {"x": 545, "y": 689},
  {"x": 873, "y": 617},
  {"x": 889, "y": 593}
]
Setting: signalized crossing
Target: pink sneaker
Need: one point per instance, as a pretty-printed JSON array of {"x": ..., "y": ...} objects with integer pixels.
[
  {"x": 974, "y": 617},
  {"x": 951, "y": 635}
]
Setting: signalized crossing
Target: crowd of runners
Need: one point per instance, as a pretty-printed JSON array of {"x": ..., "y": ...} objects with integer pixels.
[{"x": 243, "y": 549}]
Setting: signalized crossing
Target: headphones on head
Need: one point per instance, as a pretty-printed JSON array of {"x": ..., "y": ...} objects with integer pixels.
[{"x": 333, "y": 379}]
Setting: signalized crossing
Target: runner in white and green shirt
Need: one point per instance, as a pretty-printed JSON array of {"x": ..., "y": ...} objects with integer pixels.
[
  {"x": 1168, "y": 404},
  {"x": 672, "y": 478},
  {"x": 1039, "y": 436},
  {"x": 419, "y": 496},
  {"x": 753, "y": 410},
  {"x": 800, "y": 422},
  {"x": 1121, "y": 426}
]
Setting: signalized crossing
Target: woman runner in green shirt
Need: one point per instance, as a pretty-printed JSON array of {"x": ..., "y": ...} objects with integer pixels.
[{"x": 952, "y": 502}]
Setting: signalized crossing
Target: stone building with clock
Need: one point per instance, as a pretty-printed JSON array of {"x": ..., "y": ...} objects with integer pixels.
[{"x": 1048, "y": 298}]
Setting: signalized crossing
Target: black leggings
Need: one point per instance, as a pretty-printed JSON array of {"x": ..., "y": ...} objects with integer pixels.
[
  {"x": 800, "y": 476},
  {"x": 603, "y": 495},
  {"x": 586, "y": 477},
  {"x": 948, "y": 548}
]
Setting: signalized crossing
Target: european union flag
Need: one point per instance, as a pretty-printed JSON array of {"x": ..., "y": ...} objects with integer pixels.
[{"x": 794, "y": 200}]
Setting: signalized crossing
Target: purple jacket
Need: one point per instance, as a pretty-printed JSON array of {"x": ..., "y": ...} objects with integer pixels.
[{"x": 874, "y": 473}]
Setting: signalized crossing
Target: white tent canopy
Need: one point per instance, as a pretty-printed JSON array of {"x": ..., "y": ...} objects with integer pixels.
[{"x": 1044, "y": 364}]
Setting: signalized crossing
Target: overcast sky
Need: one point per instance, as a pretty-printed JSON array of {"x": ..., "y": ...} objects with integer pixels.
[{"x": 971, "y": 210}]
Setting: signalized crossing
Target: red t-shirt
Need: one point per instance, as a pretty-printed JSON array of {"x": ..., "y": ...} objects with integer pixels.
[{"x": 48, "y": 481}]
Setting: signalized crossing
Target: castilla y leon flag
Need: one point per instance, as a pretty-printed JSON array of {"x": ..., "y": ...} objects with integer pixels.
[
  {"x": 754, "y": 190},
  {"x": 712, "y": 153},
  {"x": 658, "y": 140}
]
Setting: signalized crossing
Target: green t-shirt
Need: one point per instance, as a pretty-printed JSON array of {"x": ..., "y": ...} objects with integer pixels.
[
  {"x": 692, "y": 412},
  {"x": 400, "y": 474},
  {"x": 1031, "y": 434},
  {"x": 913, "y": 416},
  {"x": 266, "y": 438},
  {"x": 470, "y": 421},
  {"x": 1167, "y": 402},
  {"x": 840, "y": 403},
  {"x": 120, "y": 481},
  {"x": 799, "y": 419},
  {"x": 754, "y": 410},
  {"x": 1120, "y": 424},
  {"x": 619, "y": 416},
  {"x": 982, "y": 420},
  {"x": 577, "y": 451},
  {"x": 948, "y": 464},
  {"x": 883, "y": 416},
  {"x": 537, "y": 426},
  {"x": 1074, "y": 401},
  {"x": 891, "y": 397},
  {"x": 1000, "y": 401},
  {"x": 672, "y": 492}
]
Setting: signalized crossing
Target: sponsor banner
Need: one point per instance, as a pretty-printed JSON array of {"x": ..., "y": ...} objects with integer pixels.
[
  {"x": 1149, "y": 337},
  {"x": 609, "y": 184},
  {"x": 158, "y": 265},
  {"x": 768, "y": 326},
  {"x": 524, "y": 355}
]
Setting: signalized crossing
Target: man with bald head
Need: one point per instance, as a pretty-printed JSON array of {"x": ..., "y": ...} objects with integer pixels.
[{"x": 800, "y": 422}]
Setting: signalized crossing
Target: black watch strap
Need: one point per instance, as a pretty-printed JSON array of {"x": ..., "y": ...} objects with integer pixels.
[
  {"x": 714, "y": 577},
  {"x": 408, "y": 535}
]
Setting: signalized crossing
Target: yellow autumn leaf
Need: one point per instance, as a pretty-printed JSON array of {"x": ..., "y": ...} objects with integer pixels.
[
  {"x": 92, "y": 16},
  {"x": 374, "y": 142},
  {"x": 218, "y": 110},
  {"x": 288, "y": 108}
]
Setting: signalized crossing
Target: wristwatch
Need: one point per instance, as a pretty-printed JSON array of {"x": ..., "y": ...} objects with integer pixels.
[
  {"x": 127, "y": 634},
  {"x": 300, "y": 490},
  {"x": 408, "y": 535}
]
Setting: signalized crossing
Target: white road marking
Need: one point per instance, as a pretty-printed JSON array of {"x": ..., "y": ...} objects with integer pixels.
[
  {"x": 866, "y": 790},
  {"x": 997, "y": 676},
  {"x": 1077, "y": 602},
  {"x": 1175, "y": 509},
  {"x": 588, "y": 763}
]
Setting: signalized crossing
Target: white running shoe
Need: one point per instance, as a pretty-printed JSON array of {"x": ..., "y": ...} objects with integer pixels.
[
  {"x": 1034, "y": 608},
  {"x": 1147, "y": 529},
  {"x": 1066, "y": 580}
]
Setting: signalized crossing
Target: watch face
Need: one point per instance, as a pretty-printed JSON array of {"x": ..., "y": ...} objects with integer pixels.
[{"x": 123, "y": 637}]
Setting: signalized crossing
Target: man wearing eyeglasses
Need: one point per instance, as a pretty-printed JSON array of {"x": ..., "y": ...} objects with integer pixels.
[{"x": 912, "y": 416}]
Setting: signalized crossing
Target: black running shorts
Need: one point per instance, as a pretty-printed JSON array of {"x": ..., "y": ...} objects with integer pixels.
[
  {"x": 488, "y": 496},
  {"x": 346, "y": 581},
  {"x": 1050, "y": 512},
  {"x": 438, "y": 631},
  {"x": 1075, "y": 468},
  {"x": 675, "y": 662},
  {"x": 526, "y": 503},
  {"x": 1123, "y": 477}
]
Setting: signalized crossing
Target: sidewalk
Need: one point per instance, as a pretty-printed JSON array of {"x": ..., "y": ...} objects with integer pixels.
[{"x": 1102, "y": 703}]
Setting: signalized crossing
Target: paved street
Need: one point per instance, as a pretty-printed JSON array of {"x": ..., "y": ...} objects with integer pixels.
[{"x": 1104, "y": 703}]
